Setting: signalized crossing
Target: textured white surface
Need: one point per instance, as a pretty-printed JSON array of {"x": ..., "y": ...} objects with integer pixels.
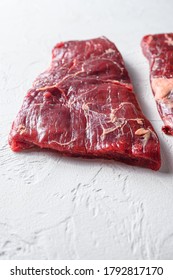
[{"x": 53, "y": 207}]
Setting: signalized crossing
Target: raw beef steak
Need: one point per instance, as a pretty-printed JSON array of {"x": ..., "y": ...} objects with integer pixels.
[
  {"x": 84, "y": 105},
  {"x": 159, "y": 51}
]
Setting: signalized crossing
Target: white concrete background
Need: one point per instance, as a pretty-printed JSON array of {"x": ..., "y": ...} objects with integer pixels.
[{"x": 52, "y": 207}]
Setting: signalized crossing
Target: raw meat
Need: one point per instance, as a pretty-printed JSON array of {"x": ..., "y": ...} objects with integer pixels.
[
  {"x": 84, "y": 105},
  {"x": 159, "y": 51}
]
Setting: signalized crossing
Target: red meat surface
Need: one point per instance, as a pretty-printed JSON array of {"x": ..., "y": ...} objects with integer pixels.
[
  {"x": 158, "y": 49},
  {"x": 84, "y": 105}
]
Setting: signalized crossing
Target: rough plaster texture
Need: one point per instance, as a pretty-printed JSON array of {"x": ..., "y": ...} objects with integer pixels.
[{"x": 54, "y": 207}]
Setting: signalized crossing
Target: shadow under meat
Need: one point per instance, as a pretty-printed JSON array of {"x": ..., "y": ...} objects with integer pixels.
[{"x": 167, "y": 160}]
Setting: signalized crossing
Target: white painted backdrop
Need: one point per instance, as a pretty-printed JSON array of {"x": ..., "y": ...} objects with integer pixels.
[{"x": 52, "y": 207}]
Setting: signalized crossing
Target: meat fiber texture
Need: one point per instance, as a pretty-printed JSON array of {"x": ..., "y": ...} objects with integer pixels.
[
  {"x": 159, "y": 51},
  {"x": 84, "y": 105}
]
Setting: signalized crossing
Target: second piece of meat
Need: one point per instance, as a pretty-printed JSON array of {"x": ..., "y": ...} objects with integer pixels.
[{"x": 158, "y": 49}]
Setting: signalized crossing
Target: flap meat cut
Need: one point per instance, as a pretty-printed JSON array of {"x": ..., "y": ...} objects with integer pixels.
[
  {"x": 84, "y": 105},
  {"x": 159, "y": 51}
]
